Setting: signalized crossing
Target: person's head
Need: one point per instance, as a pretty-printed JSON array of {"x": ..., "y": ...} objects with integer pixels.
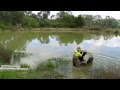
[{"x": 78, "y": 48}]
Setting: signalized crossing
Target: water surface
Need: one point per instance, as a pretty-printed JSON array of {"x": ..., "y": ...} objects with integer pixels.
[{"x": 41, "y": 46}]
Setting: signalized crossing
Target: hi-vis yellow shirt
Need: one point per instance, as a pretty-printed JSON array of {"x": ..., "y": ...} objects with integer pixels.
[{"x": 77, "y": 54}]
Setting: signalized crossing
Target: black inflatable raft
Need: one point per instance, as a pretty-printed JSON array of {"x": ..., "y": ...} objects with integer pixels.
[{"x": 87, "y": 59}]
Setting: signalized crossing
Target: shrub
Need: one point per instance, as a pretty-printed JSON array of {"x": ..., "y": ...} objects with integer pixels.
[
  {"x": 2, "y": 26},
  {"x": 24, "y": 66},
  {"x": 5, "y": 55}
]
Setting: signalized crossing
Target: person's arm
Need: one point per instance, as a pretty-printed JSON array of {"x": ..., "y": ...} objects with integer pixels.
[{"x": 80, "y": 55}]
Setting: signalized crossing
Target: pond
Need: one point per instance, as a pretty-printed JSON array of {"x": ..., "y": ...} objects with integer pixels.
[{"x": 41, "y": 46}]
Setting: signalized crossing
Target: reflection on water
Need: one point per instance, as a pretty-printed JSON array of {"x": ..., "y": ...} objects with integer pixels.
[
  {"x": 112, "y": 42},
  {"x": 105, "y": 50},
  {"x": 46, "y": 45}
]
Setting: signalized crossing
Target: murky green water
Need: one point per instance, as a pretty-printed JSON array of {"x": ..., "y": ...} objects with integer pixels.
[{"x": 41, "y": 46}]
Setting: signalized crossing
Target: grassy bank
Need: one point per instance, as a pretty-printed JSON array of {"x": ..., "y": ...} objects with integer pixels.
[
  {"x": 107, "y": 30},
  {"x": 52, "y": 68},
  {"x": 115, "y": 31},
  {"x": 45, "y": 70}
]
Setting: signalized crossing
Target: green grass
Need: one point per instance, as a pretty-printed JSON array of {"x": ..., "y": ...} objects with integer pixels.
[
  {"x": 24, "y": 66},
  {"x": 44, "y": 70},
  {"x": 7, "y": 74},
  {"x": 50, "y": 70},
  {"x": 109, "y": 72}
]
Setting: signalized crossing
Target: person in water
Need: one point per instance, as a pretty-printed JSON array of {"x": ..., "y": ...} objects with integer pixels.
[{"x": 78, "y": 54}]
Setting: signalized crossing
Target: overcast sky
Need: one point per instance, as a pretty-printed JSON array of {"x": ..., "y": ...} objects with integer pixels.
[{"x": 114, "y": 14}]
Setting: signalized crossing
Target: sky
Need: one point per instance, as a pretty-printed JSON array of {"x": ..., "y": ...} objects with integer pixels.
[{"x": 114, "y": 14}]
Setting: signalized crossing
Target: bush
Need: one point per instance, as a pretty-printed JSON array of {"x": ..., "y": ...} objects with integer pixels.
[
  {"x": 95, "y": 28},
  {"x": 50, "y": 65},
  {"x": 24, "y": 66},
  {"x": 2, "y": 26},
  {"x": 5, "y": 55},
  {"x": 31, "y": 22}
]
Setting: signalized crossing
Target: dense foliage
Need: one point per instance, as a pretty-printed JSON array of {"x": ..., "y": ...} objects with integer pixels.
[{"x": 63, "y": 19}]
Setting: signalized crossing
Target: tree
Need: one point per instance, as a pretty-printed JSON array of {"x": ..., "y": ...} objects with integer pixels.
[
  {"x": 88, "y": 19},
  {"x": 110, "y": 22},
  {"x": 97, "y": 20},
  {"x": 13, "y": 17},
  {"x": 28, "y": 13},
  {"x": 52, "y": 17},
  {"x": 60, "y": 14},
  {"x": 79, "y": 21},
  {"x": 34, "y": 16},
  {"x": 31, "y": 22},
  {"x": 43, "y": 14}
]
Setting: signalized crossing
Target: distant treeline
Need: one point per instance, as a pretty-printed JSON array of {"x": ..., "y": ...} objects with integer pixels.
[{"x": 63, "y": 19}]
